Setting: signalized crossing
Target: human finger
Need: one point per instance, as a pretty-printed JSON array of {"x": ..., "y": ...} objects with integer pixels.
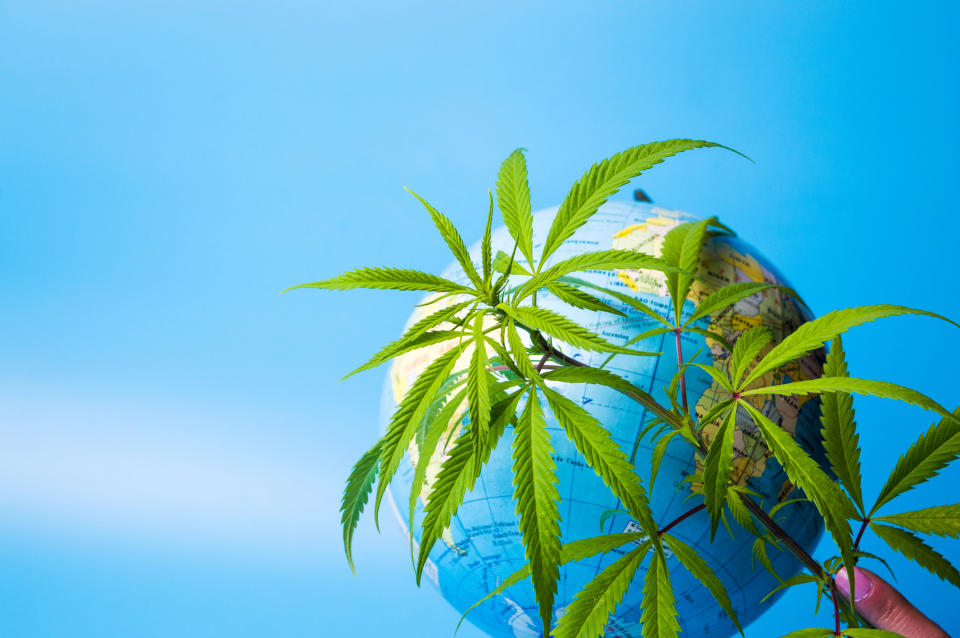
[{"x": 884, "y": 607}]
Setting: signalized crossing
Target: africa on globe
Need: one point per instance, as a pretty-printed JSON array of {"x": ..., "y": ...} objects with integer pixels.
[{"x": 482, "y": 545}]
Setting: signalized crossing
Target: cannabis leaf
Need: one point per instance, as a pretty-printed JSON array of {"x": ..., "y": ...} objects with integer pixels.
[
  {"x": 613, "y": 259},
  {"x": 602, "y": 180},
  {"x": 513, "y": 199},
  {"x": 745, "y": 351},
  {"x": 535, "y": 492},
  {"x": 813, "y": 334},
  {"x": 409, "y": 414},
  {"x": 681, "y": 248},
  {"x": 793, "y": 581},
  {"x": 580, "y": 299},
  {"x": 700, "y": 570},
  {"x": 417, "y": 336},
  {"x": 486, "y": 251},
  {"x": 457, "y": 475},
  {"x": 832, "y": 503},
  {"x": 570, "y": 553},
  {"x": 355, "y": 496},
  {"x": 659, "y": 611},
  {"x": 428, "y": 447},
  {"x": 717, "y": 467},
  {"x": 838, "y": 428},
  {"x": 865, "y": 387},
  {"x": 727, "y": 296},
  {"x": 618, "y": 383},
  {"x": 478, "y": 391},
  {"x": 450, "y": 235},
  {"x": 558, "y": 326},
  {"x": 603, "y": 455},
  {"x": 919, "y": 552},
  {"x": 587, "y": 615},
  {"x": 810, "y": 633},
  {"x": 506, "y": 265},
  {"x": 386, "y": 278},
  {"x": 942, "y": 520},
  {"x": 659, "y": 451},
  {"x": 932, "y": 452}
]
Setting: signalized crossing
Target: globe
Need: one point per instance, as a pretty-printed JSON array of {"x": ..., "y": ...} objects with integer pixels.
[{"x": 482, "y": 545}]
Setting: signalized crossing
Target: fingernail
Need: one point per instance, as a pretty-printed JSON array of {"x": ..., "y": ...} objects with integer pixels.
[{"x": 862, "y": 584}]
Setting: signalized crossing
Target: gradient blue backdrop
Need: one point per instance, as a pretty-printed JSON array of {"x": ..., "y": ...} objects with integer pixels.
[{"x": 173, "y": 438}]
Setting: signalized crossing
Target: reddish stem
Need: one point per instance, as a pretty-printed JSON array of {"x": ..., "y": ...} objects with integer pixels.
[
  {"x": 680, "y": 519},
  {"x": 863, "y": 528},
  {"x": 542, "y": 362},
  {"x": 683, "y": 380},
  {"x": 836, "y": 612}
]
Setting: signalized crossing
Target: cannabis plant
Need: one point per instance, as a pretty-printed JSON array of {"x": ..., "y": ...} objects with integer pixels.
[{"x": 505, "y": 355}]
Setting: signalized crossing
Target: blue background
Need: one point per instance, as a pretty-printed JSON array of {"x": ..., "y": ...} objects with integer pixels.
[{"x": 173, "y": 438}]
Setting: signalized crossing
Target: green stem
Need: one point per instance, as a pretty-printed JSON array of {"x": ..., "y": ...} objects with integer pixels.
[{"x": 683, "y": 379}]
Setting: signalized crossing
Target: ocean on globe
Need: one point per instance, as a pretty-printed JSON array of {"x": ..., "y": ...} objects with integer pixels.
[{"x": 482, "y": 546}]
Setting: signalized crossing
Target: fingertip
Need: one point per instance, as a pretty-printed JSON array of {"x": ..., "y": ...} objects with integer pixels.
[
  {"x": 884, "y": 607},
  {"x": 863, "y": 585}
]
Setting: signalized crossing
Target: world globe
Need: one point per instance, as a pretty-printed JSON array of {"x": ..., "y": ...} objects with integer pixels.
[{"x": 482, "y": 546}]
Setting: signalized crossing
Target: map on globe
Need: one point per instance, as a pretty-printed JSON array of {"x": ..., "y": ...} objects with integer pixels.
[{"x": 482, "y": 545}]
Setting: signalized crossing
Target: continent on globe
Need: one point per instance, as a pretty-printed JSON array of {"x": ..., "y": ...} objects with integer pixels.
[{"x": 482, "y": 545}]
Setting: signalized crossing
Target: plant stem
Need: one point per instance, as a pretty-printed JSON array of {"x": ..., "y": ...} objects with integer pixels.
[
  {"x": 863, "y": 528},
  {"x": 680, "y": 519},
  {"x": 542, "y": 362},
  {"x": 683, "y": 379},
  {"x": 836, "y": 612}
]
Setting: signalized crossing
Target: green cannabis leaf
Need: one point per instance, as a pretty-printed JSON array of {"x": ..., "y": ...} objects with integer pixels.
[
  {"x": 603, "y": 180},
  {"x": 535, "y": 491},
  {"x": 496, "y": 360},
  {"x": 513, "y": 199},
  {"x": 933, "y": 451},
  {"x": 838, "y": 429},
  {"x": 919, "y": 552}
]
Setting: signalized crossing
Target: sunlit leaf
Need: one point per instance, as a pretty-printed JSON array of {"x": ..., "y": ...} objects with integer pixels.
[
  {"x": 814, "y": 334},
  {"x": 535, "y": 492},
  {"x": 559, "y": 327},
  {"x": 699, "y": 568},
  {"x": 866, "y": 387},
  {"x": 450, "y": 235},
  {"x": 602, "y": 180},
  {"x": 580, "y": 299},
  {"x": 725, "y": 297},
  {"x": 603, "y": 455},
  {"x": 408, "y": 415},
  {"x": 355, "y": 496},
  {"x": 587, "y": 614},
  {"x": 457, "y": 475},
  {"x": 387, "y": 278},
  {"x": 513, "y": 199},
  {"x": 658, "y": 610}
]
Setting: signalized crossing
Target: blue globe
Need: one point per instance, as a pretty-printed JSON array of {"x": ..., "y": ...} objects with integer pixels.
[{"x": 482, "y": 546}]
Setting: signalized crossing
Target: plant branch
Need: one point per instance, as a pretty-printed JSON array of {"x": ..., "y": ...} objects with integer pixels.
[
  {"x": 680, "y": 519},
  {"x": 836, "y": 612},
  {"x": 863, "y": 528},
  {"x": 683, "y": 378}
]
